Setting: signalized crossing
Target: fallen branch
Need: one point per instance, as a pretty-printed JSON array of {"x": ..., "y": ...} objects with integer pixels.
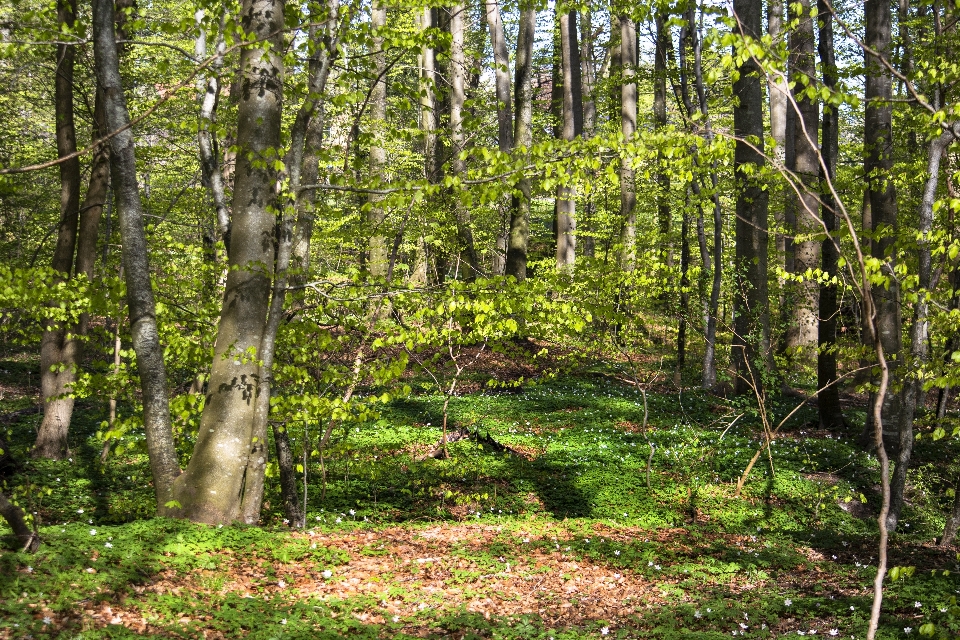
[{"x": 438, "y": 450}]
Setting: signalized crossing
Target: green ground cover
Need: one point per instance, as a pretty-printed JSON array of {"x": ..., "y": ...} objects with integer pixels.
[{"x": 557, "y": 537}]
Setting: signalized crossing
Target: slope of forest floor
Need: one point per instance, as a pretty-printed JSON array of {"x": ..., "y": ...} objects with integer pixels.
[{"x": 554, "y": 534}]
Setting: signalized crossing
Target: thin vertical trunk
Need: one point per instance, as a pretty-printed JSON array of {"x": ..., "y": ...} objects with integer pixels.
[
  {"x": 210, "y": 166},
  {"x": 690, "y": 37},
  {"x": 828, "y": 396},
  {"x": 664, "y": 45},
  {"x": 377, "y": 248},
  {"x": 589, "y": 79},
  {"x": 501, "y": 64},
  {"x": 458, "y": 139},
  {"x": 920, "y": 330},
  {"x": 58, "y": 348},
  {"x": 628, "y": 127},
  {"x": 140, "y": 303},
  {"x": 878, "y": 166},
  {"x": 953, "y": 521},
  {"x": 212, "y": 487},
  {"x": 327, "y": 41},
  {"x": 572, "y": 129},
  {"x": 751, "y": 339},
  {"x": 777, "y": 91},
  {"x": 523, "y": 137},
  {"x": 802, "y": 332}
]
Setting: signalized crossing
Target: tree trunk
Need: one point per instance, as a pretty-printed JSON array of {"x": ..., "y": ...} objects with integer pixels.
[
  {"x": 458, "y": 139},
  {"x": 572, "y": 128},
  {"x": 802, "y": 334},
  {"x": 588, "y": 69},
  {"x": 664, "y": 45},
  {"x": 26, "y": 538},
  {"x": 58, "y": 348},
  {"x": 920, "y": 330},
  {"x": 294, "y": 166},
  {"x": 628, "y": 127},
  {"x": 777, "y": 91},
  {"x": 501, "y": 64},
  {"x": 878, "y": 166},
  {"x": 523, "y": 137},
  {"x": 828, "y": 396},
  {"x": 142, "y": 311},
  {"x": 210, "y": 166},
  {"x": 690, "y": 37},
  {"x": 376, "y": 216},
  {"x": 751, "y": 341},
  {"x": 211, "y": 489},
  {"x": 953, "y": 521}
]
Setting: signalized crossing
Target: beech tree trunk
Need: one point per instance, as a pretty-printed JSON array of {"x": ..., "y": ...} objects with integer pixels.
[
  {"x": 777, "y": 91},
  {"x": 663, "y": 46},
  {"x": 572, "y": 128},
  {"x": 523, "y": 137},
  {"x": 828, "y": 396},
  {"x": 458, "y": 139},
  {"x": 802, "y": 332},
  {"x": 58, "y": 348},
  {"x": 882, "y": 198},
  {"x": 501, "y": 70},
  {"x": 377, "y": 257},
  {"x": 589, "y": 80},
  {"x": 628, "y": 127},
  {"x": 140, "y": 303},
  {"x": 751, "y": 340},
  {"x": 294, "y": 166},
  {"x": 211, "y": 489}
]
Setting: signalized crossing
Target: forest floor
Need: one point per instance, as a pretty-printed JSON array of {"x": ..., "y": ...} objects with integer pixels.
[{"x": 556, "y": 534}]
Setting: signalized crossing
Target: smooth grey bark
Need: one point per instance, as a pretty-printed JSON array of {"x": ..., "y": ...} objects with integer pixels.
[
  {"x": 523, "y": 137},
  {"x": 802, "y": 330},
  {"x": 140, "y": 303},
  {"x": 210, "y": 165},
  {"x": 58, "y": 347},
  {"x": 776, "y": 85},
  {"x": 920, "y": 329},
  {"x": 327, "y": 42},
  {"x": 501, "y": 70},
  {"x": 458, "y": 138},
  {"x": 211, "y": 488},
  {"x": 588, "y": 70},
  {"x": 294, "y": 167},
  {"x": 628, "y": 128},
  {"x": 882, "y": 195},
  {"x": 690, "y": 38},
  {"x": 26, "y": 538},
  {"x": 572, "y": 129},
  {"x": 751, "y": 340},
  {"x": 377, "y": 246},
  {"x": 828, "y": 396},
  {"x": 777, "y": 91},
  {"x": 664, "y": 45}
]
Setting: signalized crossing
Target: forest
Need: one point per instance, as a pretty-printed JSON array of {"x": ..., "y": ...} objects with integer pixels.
[{"x": 487, "y": 319}]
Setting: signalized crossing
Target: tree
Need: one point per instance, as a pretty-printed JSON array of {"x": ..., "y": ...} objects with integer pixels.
[
  {"x": 140, "y": 301},
  {"x": 628, "y": 127},
  {"x": 522, "y": 136},
  {"x": 828, "y": 395},
  {"x": 58, "y": 348},
  {"x": 211, "y": 488},
  {"x": 802, "y": 332},
  {"x": 751, "y": 340},
  {"x": 572, "y": 129}
]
